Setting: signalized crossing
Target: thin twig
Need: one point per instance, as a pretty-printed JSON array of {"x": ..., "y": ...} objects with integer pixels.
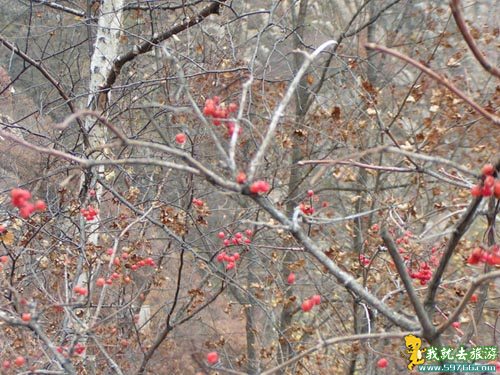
[
  {"x": 466, "y": 299},
  {"x": 337, "y": 340},
  {"x": 443, "y": 81},
  {"x": 464, "y": 30}
]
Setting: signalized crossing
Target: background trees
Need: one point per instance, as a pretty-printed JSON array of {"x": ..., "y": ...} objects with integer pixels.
[{"x": 145, "y": 127}]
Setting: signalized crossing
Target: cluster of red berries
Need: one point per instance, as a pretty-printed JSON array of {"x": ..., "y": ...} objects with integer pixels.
[
  {"x": 219, "y": 113},
  {"x": 89, "y": 213},
  {"x": 405, "y": 238},
  {"x": 142, "y": 263},
  {"x": 20, "y": 198},
  {"x": 479, "y": 255},
  {"x": 238, "y": 238},
  {"x": 423, "y": 274},
  {"x": 101, "y": 281},
  {"x": 307, "y": 208},
  {"x": 259, "y": 187},
  {"x": 490, "y": 185},
  {"x": 230, "y": 259},
  {"x": 308, "y": 304},
  {"x": 19, "y": 361}
]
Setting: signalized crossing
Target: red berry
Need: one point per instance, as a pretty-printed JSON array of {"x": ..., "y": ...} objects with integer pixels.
[
  {"x": 80, "y": 290},
  {"x": 488, "y": 169},
  {"x": 316, "y": 299},
  {"x": 221, "y": 235},
  {"x": 291, "y": 278},
  {"x": 487, "y": 191},
  {"x": 456, "y": 325},
  {"x": 473, "y": 298},
  {"x": 307, "y": 305},
  {"x": 26, "y": 317},
  {"x": 489, "y": 181},
  {"x": 19, "y": 197},
  {"x": 494, "y": 259},
  {"x": 19, "y": 361},
  {"x": 26, "y": 210},
  {"x": 220, "y": 257},
  {"x": 100, "y": 282},
  {"x": 496, "y": 189},
  {"x": 212, "y": 358},
  {"x": 2, "y": 229},
  {"x": 259, "y": 187},
  {"x": 241, "y": 178},
  {"x": 476, "y": 191},
  {"x": 79, "y": 348},
  {"x": 382, "y": 363},
  {"x": 40, "y": 205},
  {"x": 4, "y": 259},
  {"x": 109, "y": 251},
  {"x": 232, "y": 107},
  {"x": 197, "y": 202},
  {"x": 310, "y": 193},
  {"x": 180, "y": 138},
  {"x": 6, "y": 365},
  {"x": 230, "y": 266}
]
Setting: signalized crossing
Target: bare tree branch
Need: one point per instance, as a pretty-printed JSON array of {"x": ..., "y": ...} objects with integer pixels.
[
  {"x": 441, "y": 80},
  {"x": 464, "y": 30}
]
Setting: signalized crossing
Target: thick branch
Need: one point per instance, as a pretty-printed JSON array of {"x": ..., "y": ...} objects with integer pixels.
[
  {"x": 44, "y": 72},
  {"x": 148, "y": 45},
  {"x": 466, "y": 299},
  {"x": 343, "y": 277}
]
